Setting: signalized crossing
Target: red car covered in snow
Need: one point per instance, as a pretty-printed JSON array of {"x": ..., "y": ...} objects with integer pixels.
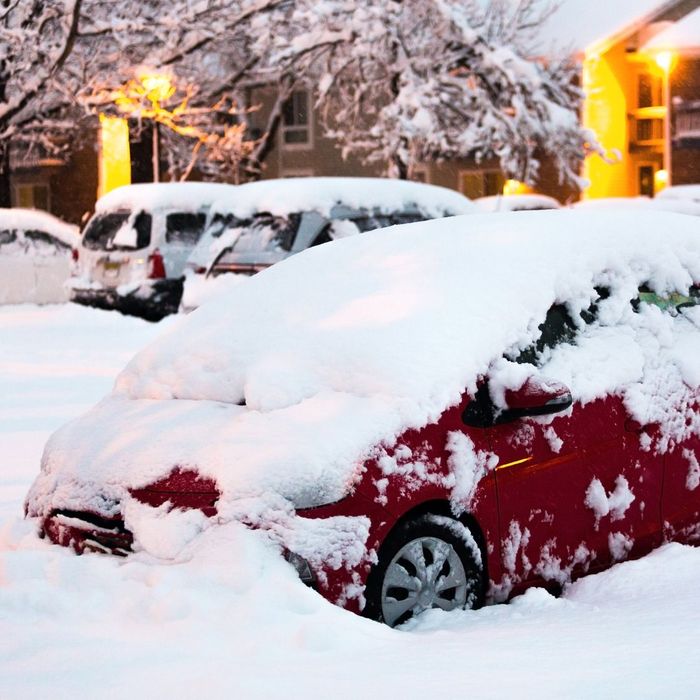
[{"x": 440, "y": 416}]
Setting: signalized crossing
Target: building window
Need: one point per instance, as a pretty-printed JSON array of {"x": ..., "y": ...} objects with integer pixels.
[
  {"x": 296, "y": 120},
  {"x": 646, "y": 180},
  {"x": 650, "y": 130},
  {"x": 480, "y": 183},
  {"x": 649, "y": 91},
  {"x": 32, "y": 196}
]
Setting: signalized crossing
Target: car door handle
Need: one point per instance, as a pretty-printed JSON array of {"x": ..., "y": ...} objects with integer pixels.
[{"x": 634, "y": 426}]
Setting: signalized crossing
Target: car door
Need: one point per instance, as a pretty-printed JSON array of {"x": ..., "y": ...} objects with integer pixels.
[
  {"x": 678, "y": 443},
  {"x": 574, "y": 493}
]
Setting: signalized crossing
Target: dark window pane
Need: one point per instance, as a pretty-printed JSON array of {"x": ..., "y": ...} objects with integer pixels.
[
  {"x": 43, "y": 241},
  {"x": 184, "y": 228}
]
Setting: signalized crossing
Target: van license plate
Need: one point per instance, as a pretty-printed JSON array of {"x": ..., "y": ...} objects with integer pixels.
[{"x": 112, "y": 269}]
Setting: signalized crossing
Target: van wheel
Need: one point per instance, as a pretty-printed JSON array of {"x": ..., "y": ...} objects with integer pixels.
[{"x": 430, "y": 562}]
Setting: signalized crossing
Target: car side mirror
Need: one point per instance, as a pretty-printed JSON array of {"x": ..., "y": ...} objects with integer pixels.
[{"x": 536, "y": 397}]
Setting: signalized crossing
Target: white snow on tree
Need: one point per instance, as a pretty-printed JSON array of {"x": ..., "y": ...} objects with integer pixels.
[{"x": 402, "y": 81}]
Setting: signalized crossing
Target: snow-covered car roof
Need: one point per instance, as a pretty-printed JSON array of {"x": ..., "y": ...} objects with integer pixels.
[
  {"x": 690, "y": 192},
  {"x": 286, "y": 383},
  {"x": 678, "y": 205},
  {"x": 287, "y": 195},
  {"x": 35, "y": 220},
  {"x": 516, "y": 202},
  {"x": 183, "y": 196}
]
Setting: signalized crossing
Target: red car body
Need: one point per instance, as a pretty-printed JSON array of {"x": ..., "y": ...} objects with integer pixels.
[{"x": 529, "y": 514}]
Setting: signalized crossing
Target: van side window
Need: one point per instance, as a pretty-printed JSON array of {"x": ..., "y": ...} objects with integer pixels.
[{"x": 184, "y": 228}]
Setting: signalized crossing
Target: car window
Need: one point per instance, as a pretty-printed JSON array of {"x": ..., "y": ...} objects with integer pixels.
[
  {"x": 558, "y": 327},
  {"x": 672, "y": 303},
  {"x": 44, "y": 243},
  {"x": 184, "y": 228},
  {"x": 265, "y": 232},
  {"x": 101, "y": 231},
  {"x": 7, "y": 237}
]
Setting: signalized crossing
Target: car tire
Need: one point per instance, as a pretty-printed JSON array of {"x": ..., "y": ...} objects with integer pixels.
[{"x": 430, "y": 562}]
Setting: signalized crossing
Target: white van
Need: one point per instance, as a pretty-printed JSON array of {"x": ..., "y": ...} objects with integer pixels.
[
  {"x": 134, "y": 248},
  {"x": 265, "y": 222}
]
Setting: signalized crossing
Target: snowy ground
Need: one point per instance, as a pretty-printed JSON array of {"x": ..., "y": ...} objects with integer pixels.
[{"x": 231, "y": 619}]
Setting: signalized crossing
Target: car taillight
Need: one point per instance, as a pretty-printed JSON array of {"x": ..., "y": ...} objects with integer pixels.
[
  {"x": 156, "y": 266},
  {"x": 75, "y": 254}
]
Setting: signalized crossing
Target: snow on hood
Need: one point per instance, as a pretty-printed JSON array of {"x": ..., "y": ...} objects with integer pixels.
[
  {"x": 183, "y": 196},
  {"x": 284, "y": 196},
  {"x": 346, "y": 345},
  {"x": 33, "y": 219}
]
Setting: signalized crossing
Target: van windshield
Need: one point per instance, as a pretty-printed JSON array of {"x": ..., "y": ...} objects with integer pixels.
[{"x": 118, "y": 230}]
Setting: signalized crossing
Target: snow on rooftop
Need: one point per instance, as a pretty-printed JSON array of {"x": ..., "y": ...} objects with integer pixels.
[
  {"x": 580, "y": 24},
  {"x": 284, "y": 196},
  {"x": 682, "y": 35},
  {"x": 35, "y": 219},
  {"x": 184, "y": 196},
  {"x": 301, "y": 370}
]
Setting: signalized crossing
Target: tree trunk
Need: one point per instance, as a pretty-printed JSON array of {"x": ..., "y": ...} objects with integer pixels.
[{"x": 5, "y": 191}]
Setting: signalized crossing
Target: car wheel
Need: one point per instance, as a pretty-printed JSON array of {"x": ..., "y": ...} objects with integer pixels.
[{"x": 430, "y": 562}]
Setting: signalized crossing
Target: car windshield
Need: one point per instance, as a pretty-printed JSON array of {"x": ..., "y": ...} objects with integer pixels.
[
  {"x": 369, "y": 222},
  {"x": 118, "y": 230},
  {"x": 262, "y": 232}
]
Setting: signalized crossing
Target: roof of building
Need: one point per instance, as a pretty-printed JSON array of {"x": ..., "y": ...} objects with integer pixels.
[
  {"x": 682, "y": 36},
  {"x": 580, "y": 25}
]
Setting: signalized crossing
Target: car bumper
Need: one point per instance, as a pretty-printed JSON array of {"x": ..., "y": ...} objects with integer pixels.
[
  {"x": 153, "y": 300},
  {"x": 87, "y": 532}
]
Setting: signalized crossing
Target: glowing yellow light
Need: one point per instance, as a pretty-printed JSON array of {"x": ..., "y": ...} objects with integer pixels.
[
  {"x": 660, "y": 180},
  {"x": 515, "y": 187},
  {"x": 666, "y": 60},
  {"x": 158, "y": 86},
  {"x": 114, "y": 156}
]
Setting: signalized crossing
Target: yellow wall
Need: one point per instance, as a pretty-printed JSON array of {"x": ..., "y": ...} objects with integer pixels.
[
  {"x": 610, "y": 83},
  {"x": 115, "y": 157},
  {"x": 605, "y": 112}
]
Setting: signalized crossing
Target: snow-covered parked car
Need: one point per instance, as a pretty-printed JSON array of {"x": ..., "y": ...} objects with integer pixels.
[
  {"x": 37, "y": 253},
  {"x": 434, "y": 415},
  {"x": 134, "y": 249},
  {"x": 642, "y": 204},
  {"x": 689, "y": 193},
  {"x": 515, "y": 202},
  {"x": 262, "y": 223}
]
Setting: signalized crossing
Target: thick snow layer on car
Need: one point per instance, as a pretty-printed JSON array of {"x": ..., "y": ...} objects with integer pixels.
[
  {"x": 381, "y": 333},
  {"x": 230, "y": 617},
  {"x": 321, "y": 194},
  {"x": 679, "y": 205},
  {"x": 18, "y": 219},
  {"x": 689, "y": 192},
  {"x": 516, "y": 202},
  {"x": 183, "y": 196}
]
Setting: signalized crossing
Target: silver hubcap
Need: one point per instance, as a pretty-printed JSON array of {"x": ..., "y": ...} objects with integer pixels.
[{"x": 425, "y": 573}]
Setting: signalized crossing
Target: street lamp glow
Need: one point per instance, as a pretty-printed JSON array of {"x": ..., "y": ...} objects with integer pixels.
[
  {"x": 158, "y": 87},
  {"x": 666, "y": 60}
]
